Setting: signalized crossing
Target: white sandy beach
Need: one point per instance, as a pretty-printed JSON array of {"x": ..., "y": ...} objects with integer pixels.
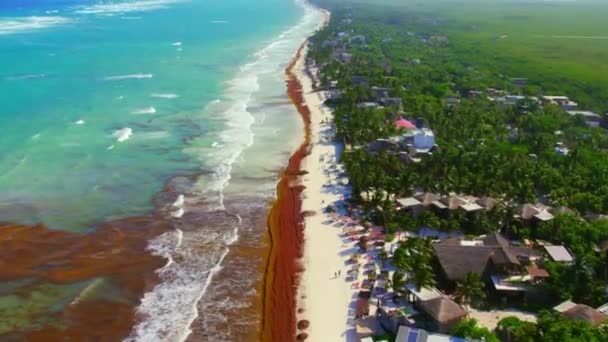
[{"x": 324, "y": 297}]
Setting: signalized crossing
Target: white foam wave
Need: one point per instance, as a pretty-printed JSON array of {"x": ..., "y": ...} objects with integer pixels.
[
  {"x": 79, "y": 122},
  {"x": 111, "y": 147},
  {"x": 178, "y": 213},
  {"x": 27, "y": 24},
  {"x": 24, "y": 77},
  {"x": 147, "y": 110},
  {"x": 123, "y": 134},
  {"x": 168, "y": 96},
  {"x": 124, "y": 7},
  {"x": 179, "y": 202},
  {"x": 177, "y": 44},
  {"x": 36, "y": 136},
  {"x": 128, "y": 77},
  {"x": 171, "y": 307}
]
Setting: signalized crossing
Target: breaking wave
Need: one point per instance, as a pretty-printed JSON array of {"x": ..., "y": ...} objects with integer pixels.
[
  {"x": 196, "y": 251},
  {"x": 128, "y": 77},
  {"x": 164, "y": 95},
  {"x": 125, "y": 7},
  {"x": 147, "y": 110},
  {"x": 123, "y": 134},
  {"x": 27, "y": 24}
]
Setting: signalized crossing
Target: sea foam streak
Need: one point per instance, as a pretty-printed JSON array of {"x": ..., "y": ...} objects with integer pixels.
[
  {"x": 171, "y": 307},
  {"x": 124, "y": 7},
  {"x": 24, "y": 77},
  {"x": 128, "y": 77},
  {"x": 123, "y": 134},
  {"x": 147, "y": 110},
  {"x": 27, "y": 24},
  {"x": 168, "y": 96}
]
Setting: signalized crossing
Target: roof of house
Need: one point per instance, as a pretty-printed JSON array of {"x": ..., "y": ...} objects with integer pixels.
[
  {"x": 424, "y": 293},
  {"x": 559, "y": 253},
  {"x": 537, "y": 272},
  {"x": 457, "y": 261},
  {"x": 453, "y": 202},
  {"x": 503, "y": 254},
  {"x": 403, "y": 123},
  {"x": 408, "y": 202},
  {"x": 495, "y": 239},
  {"x": 409, "y": 334},
  {"x": 471, "y": 207},
  {"x": 565, "y": 306},
  {"x": 487, "y": 202},
  {"x": 443, "y": 309},
  {"x": 538, "y": 211},
  {"x": 582, "y": 312},
  {"x": 544, "y": 215},
  {"x": 467, "y": 203},
  {"x": 585, "y": 113},
  {"x": 439, "y": 205},
  {"x": 427, "y": 198}
]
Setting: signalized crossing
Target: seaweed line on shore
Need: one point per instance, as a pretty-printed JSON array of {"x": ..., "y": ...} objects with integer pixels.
[{"x": 285, "y": 231}]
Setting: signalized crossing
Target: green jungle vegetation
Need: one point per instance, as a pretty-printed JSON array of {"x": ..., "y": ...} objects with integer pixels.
[
  {"x": 560, "y": 46},
  {"x": 426, "y": 52}
]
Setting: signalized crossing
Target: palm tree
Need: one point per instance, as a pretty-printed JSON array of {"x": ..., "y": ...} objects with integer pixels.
[
  {"x": 413, "y": 258},
  {"x": 422, "y": 275},
  {"x": 470, "y": 290}
]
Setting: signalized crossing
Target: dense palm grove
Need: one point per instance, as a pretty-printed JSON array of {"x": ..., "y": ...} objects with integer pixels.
[{"x": 508, "y": 153}]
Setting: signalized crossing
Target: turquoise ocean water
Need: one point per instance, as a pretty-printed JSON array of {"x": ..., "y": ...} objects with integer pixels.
[
  {"x": 150, "y": 67},
  {"x": 103, "y": 103}
]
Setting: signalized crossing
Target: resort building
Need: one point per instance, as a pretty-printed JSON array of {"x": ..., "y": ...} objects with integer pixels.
[
  {"x": 409, "y": 334},
  {"x": 581, "y": 312},
  {"x": 360, "y": 81},
  {"x": 380, "y": 93},
  {"x": 591, "y": 119},
  {"x": 443, "y": 312},
  {"x": 535, "y": 212},
  {"x": 506, "y": 267},
  {"x": 445, "y": 205},
  {"x": 559, "y": 254},
  {"x": 561, "y": 101}
]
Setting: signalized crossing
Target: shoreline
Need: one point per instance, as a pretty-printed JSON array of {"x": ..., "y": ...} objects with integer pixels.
[
  {"x": 326, "y": 295},
  {"x": 285, "y": 221}
]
